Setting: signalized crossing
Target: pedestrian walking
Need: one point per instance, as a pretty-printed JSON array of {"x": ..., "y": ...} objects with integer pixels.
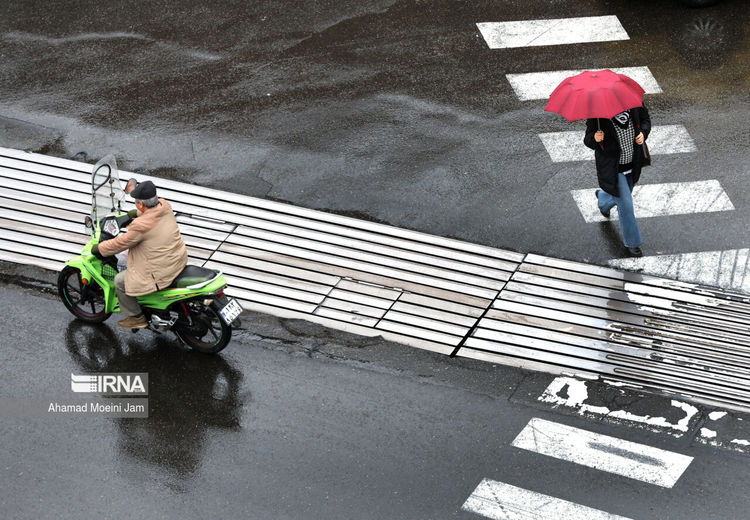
[
  {"x": 619, "y": 154},
  {"x": 617, "y": 125}
]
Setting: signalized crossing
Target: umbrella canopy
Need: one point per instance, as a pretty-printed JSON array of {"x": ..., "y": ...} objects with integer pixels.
[{"x": 597, "y": 93}]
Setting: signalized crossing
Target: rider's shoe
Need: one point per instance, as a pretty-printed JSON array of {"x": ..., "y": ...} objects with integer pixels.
[{"x": 133, "y": 322}]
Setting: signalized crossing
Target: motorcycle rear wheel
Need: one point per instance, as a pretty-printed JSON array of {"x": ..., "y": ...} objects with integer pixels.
[
  {"x": 208, "y": 333},
  {"x": 85, "y": 302}
]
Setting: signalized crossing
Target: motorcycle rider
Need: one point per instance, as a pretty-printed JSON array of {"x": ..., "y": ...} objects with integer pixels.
[{"x": 157, "y": 253}]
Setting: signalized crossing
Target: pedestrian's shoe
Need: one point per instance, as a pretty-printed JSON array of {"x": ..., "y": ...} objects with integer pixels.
[
  {"x": 133, "y": 322},
  {"x": 635, "y": 251},
  {"x": 605, "y": 214}
]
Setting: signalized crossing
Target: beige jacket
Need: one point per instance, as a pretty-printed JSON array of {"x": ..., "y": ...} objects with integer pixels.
[{"x": 157, "y": 252}]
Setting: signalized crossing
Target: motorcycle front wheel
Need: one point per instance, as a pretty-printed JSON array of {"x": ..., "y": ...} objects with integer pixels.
[
  {"x": 85, "y": 301},
  {"x": 206, "y": 332}
]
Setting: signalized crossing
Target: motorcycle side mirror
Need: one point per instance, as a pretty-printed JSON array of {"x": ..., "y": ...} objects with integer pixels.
[{"x": 130, "y": 186}]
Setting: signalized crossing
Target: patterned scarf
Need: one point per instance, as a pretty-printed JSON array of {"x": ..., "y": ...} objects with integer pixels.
[{"x": 625, "y": 136}]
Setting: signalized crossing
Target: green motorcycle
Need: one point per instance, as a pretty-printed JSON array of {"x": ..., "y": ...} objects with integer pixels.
[{"x": 194, "y": 307}]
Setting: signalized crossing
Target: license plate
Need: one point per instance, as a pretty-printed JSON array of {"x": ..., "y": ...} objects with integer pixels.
[{"x": 230, "y": 311}]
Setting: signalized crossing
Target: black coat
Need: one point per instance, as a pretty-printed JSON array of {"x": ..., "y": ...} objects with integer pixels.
[{"x": 607, "y": 153}]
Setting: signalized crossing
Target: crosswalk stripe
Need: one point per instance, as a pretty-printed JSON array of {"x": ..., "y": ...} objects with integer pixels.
[
  {"x": 559, "y": 31},
  {"x": 568, "y": 146},
  {"x": 659, "y": 200},
  {"x": 728, "y": 269},
  {"x": 539, "y": 85},
  {"x": 618, "y": 456},
  {"x": 501, "y": 501}
]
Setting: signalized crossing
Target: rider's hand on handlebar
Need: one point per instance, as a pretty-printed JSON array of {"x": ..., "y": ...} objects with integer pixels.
[
  {"x": 133, "y": 213},
  {"x": 95, "y": 251}
]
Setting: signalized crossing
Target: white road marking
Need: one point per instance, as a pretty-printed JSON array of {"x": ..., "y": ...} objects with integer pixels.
[
  {"x": 659, "y": 200},
  {"x": 710, "y": 438},
  {"x": 539, "y": 85},
  {"x": 568, "y": 146},
  {"x": 500, "y": 501},
  {"x": 577, "y": 393},
  {"x": 560, "y": 31},
  {"x": 726, "y": 269},
  {"x": 629, "y": 459},
  {"x": 717, "y": 436}
]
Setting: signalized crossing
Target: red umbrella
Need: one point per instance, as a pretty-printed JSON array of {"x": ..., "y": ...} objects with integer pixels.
[{"x": 597, "y": 93}]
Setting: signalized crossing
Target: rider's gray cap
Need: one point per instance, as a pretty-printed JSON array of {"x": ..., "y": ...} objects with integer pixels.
[{"x": 144, "y": 190}]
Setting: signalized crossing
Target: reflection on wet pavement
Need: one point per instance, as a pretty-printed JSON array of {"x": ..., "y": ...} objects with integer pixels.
[{"x": 190, "y": 397}]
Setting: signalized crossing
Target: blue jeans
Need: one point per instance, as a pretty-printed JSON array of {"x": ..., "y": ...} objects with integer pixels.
[{"x": 631, "y": 235}]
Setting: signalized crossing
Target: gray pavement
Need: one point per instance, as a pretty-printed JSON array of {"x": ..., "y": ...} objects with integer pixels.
[
  {"x": 296, "y": 421},
  {"x": 390, "y": 111},
  {"x": 393, "y": 111},
  {"x": 442, "y": 295}
]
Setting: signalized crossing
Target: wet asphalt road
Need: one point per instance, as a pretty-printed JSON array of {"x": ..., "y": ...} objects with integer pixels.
[
  {"x": 392, "y": 111},
  {"x": 294, "y": 421},
  {"x": 389, "y": 110}
]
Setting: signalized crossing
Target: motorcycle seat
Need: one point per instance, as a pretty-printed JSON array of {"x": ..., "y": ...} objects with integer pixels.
[{"x": 192, "y": 275}]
